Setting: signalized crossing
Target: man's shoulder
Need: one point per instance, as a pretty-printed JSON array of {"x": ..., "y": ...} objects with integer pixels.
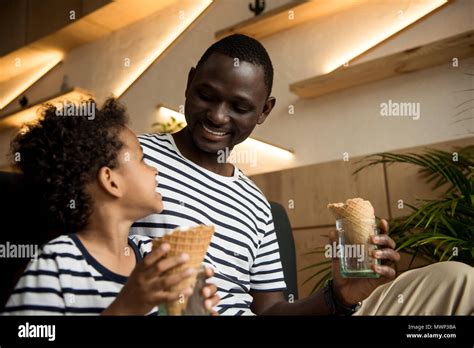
[
  {"x": 161, "y": 137},
  {"x": 252, "y": 188},
  {"x": 155, "y": 144}
]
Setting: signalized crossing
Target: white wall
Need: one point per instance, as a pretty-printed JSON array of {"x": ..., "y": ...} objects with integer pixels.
[{"x": 321, "y": 129}]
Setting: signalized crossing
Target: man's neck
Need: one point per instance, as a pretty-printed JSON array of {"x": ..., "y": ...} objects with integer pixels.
[{"x": 203, "y": 159}]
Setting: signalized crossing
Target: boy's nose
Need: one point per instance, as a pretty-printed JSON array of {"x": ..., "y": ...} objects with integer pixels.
[{"x": 153, "y": 169}]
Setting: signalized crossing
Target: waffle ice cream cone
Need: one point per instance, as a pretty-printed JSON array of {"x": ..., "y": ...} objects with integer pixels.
[
  {"x": 193, "y": 241},
  {"x": 359, "y": 219}
]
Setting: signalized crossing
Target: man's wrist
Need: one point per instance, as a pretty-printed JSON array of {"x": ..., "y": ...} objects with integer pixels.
[
  {"x": 335, "y": 305},
  {"x": 338, "y": 296}
]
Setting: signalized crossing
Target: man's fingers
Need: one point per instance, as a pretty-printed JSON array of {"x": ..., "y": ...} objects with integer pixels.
[
  {"x": 384, "y": 228},
  {"x": 387, "y": 254},
  {"x": 384, "y": 241},
  {"x": 332, "y": 236},
  {"x": 385, "y": 271}
]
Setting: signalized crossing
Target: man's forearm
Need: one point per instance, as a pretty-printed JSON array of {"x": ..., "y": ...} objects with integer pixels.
[{"x": 312, "y": 305}]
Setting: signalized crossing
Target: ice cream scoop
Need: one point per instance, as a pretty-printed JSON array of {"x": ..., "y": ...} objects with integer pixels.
[{"x": 358, "y": 219}]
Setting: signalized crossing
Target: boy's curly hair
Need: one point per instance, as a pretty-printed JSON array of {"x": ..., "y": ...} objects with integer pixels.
[{"x": 61, "y": 154}]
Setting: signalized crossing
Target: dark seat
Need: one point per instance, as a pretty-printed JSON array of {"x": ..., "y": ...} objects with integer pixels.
[
  {"x": 287, "y": 249},
  {"x": 21, "y": 223}
]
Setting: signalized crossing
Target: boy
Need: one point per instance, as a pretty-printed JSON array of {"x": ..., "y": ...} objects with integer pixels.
[{"x": 95, "y": 185}]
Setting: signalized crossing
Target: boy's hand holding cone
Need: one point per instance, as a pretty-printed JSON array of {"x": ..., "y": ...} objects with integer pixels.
[
  {"x": 194, "y": 242},
  {"x": 167, "y": 275}
]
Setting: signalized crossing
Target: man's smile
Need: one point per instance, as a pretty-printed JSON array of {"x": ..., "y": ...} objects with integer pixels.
[{"x": 217, "y": 133}]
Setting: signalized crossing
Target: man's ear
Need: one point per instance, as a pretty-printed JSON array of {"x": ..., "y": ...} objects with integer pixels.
[
  {"x": 110, "y": 182},
  {"x": 267, "y": 108},
  {"x": 191, "y": 74}
]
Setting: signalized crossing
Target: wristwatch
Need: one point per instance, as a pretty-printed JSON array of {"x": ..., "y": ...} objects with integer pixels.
[{"x": 335, "y": 306}]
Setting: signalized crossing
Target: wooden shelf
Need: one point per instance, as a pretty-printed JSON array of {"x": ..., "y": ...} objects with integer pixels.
[
  {"x": 18, "y": 118},
  {"x": 278, "y": 19},
  {"x": 414, "y": 59},
  {"x": 95, "y": 25}
]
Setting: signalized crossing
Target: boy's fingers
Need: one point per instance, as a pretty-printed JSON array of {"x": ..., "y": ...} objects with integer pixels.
[
  {"x": 208, "y": 290},
  {"x": 208, "y": 272},
  {"x": 156, "y": 254},
  {"x": 212, "y": 302},
  {"x": 166, "y": 264},
  {"x": 168, "y": 296},
  {"x": 167, "y": 282}
]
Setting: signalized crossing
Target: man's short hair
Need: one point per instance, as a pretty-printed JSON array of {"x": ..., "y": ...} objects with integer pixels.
[{"x": 245, "y": 49}]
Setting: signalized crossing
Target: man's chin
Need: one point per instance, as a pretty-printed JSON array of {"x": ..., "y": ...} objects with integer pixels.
[{"x": 210, "y": 147}]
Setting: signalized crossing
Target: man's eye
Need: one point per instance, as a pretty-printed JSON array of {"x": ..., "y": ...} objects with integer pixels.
[
  {"x": 204, "y": 96},
  {"x": 241, "y": 110}
]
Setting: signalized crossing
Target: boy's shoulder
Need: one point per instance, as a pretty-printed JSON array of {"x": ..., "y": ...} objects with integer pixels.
[{"x": 61, "y": 244}]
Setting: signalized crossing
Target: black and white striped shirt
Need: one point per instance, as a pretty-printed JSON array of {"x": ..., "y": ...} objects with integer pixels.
[
  {"x": 244, "y": 250},
  {"x": 65, "y": 279}
]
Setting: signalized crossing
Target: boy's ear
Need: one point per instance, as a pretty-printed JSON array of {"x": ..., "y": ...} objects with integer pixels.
[
  {"x": 191, "y": 74},
  {"x": 110, "y": 181},
  {"x": 267, "y": 108}
]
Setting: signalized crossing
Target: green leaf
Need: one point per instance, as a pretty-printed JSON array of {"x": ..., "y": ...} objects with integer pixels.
[
  {"x": 315, "y": 265},
  {"x": 315, "y": 274},
  {"x": 321, "y": 282}
]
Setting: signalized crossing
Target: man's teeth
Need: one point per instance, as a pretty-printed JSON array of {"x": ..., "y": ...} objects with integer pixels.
[{"x": 213, "y": 132}]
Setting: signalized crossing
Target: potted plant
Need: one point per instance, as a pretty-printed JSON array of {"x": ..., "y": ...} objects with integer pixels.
[
  {"x": 172, "y": 126},
  {"x": 438, "y": 229}
]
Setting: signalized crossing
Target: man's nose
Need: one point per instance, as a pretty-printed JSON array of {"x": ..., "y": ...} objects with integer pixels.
[{"x": 219, "y": 115}]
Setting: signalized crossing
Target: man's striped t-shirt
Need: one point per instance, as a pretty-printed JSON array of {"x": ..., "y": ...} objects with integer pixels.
[
  {"x": 64, "y": 279},
  {"x": 244, "y": 251}
]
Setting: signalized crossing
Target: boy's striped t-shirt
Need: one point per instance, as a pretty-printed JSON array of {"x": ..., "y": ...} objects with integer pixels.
[
  {"x": 244, "y": 250},
  {"x": 64, "y": 279}
]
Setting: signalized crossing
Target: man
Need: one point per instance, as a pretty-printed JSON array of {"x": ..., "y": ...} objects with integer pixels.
[{"x": 227, "y": 95}]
